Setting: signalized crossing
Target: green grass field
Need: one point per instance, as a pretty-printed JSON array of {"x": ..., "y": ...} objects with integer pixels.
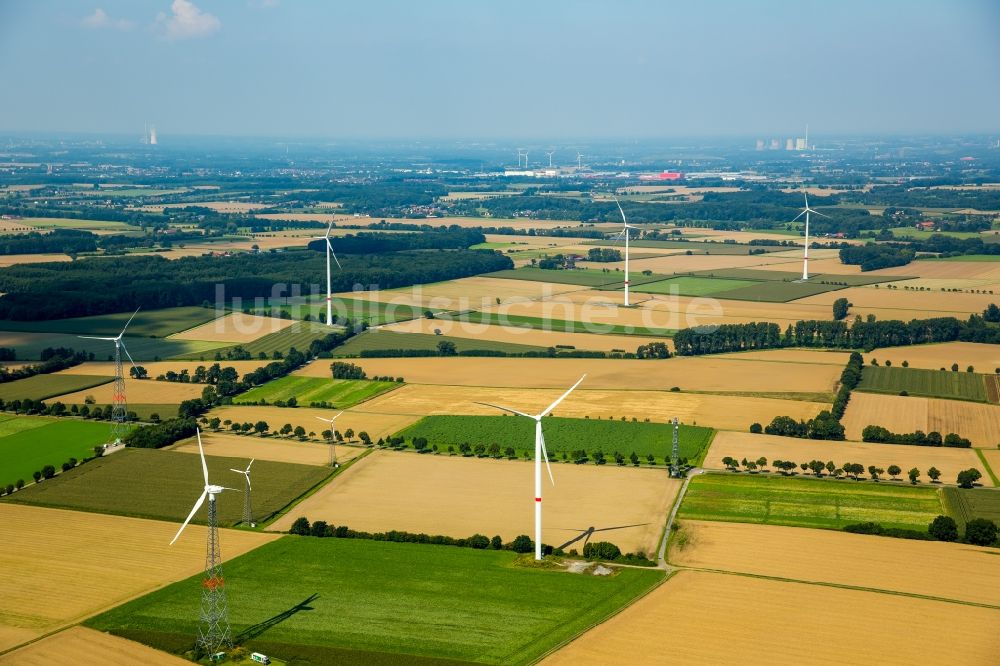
[
  {"x": 43, "y": 387},
  {"x": 560, "y": 325},
  {"x": 164, "y": 485},
  {"x": 803, "y": 502},
  {"x": 695, "y": 247},
  {"x": 790, "y": 276},
  {"x": 149, "y": 323},
  {"x": 29, "y": 346},
  {"x": 67, "y": 223},
  {"x": 388, "y": 340},
  {"x": 777, "y": 292},
  {"x": 929, "y": 383},
  {"x": 338, "y": 601},
  {"x": 964, "y": 505},
  {"x": 692, "y": 286},
  {"x": 28, "y": 443},
  {"x": 374, "y": 312},
  {"x": 563, "y": 434},
  {"x": 585, "y": 277},
  {"x": 299, "y": 336},
  {"x": 911, "y": 232},
  {"x": 342, "y": 393},
  {"x": 965, "y": 257}
]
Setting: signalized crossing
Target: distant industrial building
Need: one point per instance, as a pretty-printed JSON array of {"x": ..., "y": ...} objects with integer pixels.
[{"x": 663, "y": 175}]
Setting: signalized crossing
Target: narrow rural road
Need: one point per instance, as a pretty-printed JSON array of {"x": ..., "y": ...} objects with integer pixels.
[{"x": 661, "y": 559}]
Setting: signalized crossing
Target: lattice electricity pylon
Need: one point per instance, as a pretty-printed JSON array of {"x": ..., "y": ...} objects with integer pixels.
[
  {"x": 214, "y": 631},
  {"x": 675, "y": 457},
  {"x": 333, "y": 454},
  {"x": 248, "y": 507},
  {"x": 119, "y": 405}
]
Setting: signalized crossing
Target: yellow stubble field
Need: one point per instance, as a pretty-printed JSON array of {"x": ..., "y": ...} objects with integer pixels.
[
  {"x": 719, "y": 411},
  {"x": 889, "y": 300},
  {"x": 156, "y": 368},
  {"x": 278, "y": 449},
  {"x": 17, "y": 259},
  {"x": 460, "y": 497},
  {"x": 465, "y": 293},
  {"x": 522, "y": 336},
  {"x": 707, "y": 373},
  {"x": 59, "y": 567},
  {"x": 86, "y": 647},
  {"x": 235, "y": 328},
  {"x": 741, "y": 445},
  {"x": 139, "y": 391},
  {"x": 979, "y": 422},
  {"x": 984, "y": 358},
  {"x": 933, "y": 568},
  {"x": 464, "y": 222},
  {"x": 961, "y": 270},
  {"x": 713, "y": 618},
  {"x": 375, "y": 423}
]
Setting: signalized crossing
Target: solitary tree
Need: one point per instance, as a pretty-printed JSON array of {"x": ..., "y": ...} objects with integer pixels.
[
  {"x": 968, "y": 477},
  {"x": 762, "y": 463},
  {"x": 943, "y": 528},
  {"x": 830, "y": 467},
  {"x": 894, "y": 471},
  {"x": 934, "y": 473},
  {"x": 914, "y": 474},
  {"x": 261, "y": 427}
]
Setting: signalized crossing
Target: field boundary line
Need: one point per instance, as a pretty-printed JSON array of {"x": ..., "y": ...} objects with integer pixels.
[
  {"x": 986, "y": 464},
  {"x": 845, "y": 586},
  {"x": 262, "y": 527},
  {"x": 666, "y": 577},
  {"x": 209, "y": 321}
]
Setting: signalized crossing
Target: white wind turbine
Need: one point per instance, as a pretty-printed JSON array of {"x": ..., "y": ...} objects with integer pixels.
[
  {"x": 540, "y": 452},
  {"x": 329, "y": 287},
  {"x": 247, "y": 508},
  {"x": 579, "y": 160},
  {"x": 210, "y": 492},
  {"x": 333, "y": 450},
  {"x": 119, "y": 407},
  {"x": 805, "y": 257},
  {"x": 624, "y": 232}
]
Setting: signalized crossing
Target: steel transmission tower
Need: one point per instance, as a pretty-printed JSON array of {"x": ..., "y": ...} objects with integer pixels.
[
  {"x": 214, "y": 631},
  {"x": 119, "y": 406},
  {"x": 248, "y": 509}
]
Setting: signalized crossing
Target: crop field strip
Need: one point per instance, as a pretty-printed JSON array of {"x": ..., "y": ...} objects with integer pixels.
[
  {"x": 562, "y": 325},
  {"x": 849, "y": 560},
  {"x": 29, "y": 346},
  {"x": 300, "y": 335},
  {"x": 803, "y": 502},
  {"x": 28, "y": 443},
  {"x": 563, "y": 435},
  {"x": 375, "y": 313},
  {"x": 86, "y": 647},
  {"x": 234, "y": 328},
  {"x": 376, "y": 424},
  {"x": 983, "y": 357},
  {"x": 54, "y": 570},
  {"x": 122, "y": 484},
  {"x": 341, "y": 393},
  {"x": 702, "y": 606},
  {"x": 147, "y": 323},
  {"x": 357, "y": 591},
  {"x": 979, "y": 422},
  {"x": 965, "y": 504},
  {"x": 696, "y": 247},
  {"x": 277, "y": 449},
  {"x": 383, "y": 340},
  {"x": 579, "y": 276},
  {"x": 929, "y": 383},
  {"x": 43, "y": 387}
]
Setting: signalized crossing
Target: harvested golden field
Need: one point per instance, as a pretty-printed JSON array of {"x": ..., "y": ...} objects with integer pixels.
[
  {"x": 86, "y": 647},
  {"x": 235, "y": 327},
  {"x": 465, "y": 293},
  {"x": 993, "y": 458},
  {"x": 812, "y": 356},
  {"x": 377, "y": 423},
  {"x": 139, "y": 392},
  {"x": 532, "y": 242},
  {"x": 460, "y": 497},
  {"x": 718, "y": 411},
  {"x": 889, "y": 300},
  {"x": 966, "y": 270},
  {"x": 16, "y": 259},
  {"x": 464, "y": 222},
  {"x": 978, "y": 422},
  {"x": 741, "y": 445},
  {"x": 725, "y": 618},
  {"x": 60, "y": 567},
  {"x": 932, "y": 568},
  {"x": 278, "y": 449},
  {"x": 217, "y": 206},
  {"x": 720, "y": 373},
  {"x": 522, "y": 336},
  {"x": 984, "y": 358},
  {"x": 156, "y": 368}
]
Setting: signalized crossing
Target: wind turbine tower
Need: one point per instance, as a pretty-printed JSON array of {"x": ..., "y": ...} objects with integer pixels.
[
  {"x": 540, "y": 452},
  {"x": 329, "y": 283},
  {"x": 805, "y": 257},
  {"x": 624, "y": 232},
  {"x": 333, "y": 431},
  {"x": 579, "y": 160},
  {"x": 675, "y": 456},
  {"x": 520, "y": 154},
  {"x": 119, "y": 405},
  {"x": 247, "y": 507},
  {"x": 213, "y": 630},
  {"x": 550, "y": 154},
  {"x": 152, "y": 135}
]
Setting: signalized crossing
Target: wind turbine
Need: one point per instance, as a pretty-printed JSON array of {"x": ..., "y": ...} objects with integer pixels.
[
  {"x": 540, "y": 452},
  {"x": 333, "y": 450},
  {"x": 214, "y": 630},
  {"x": 624, "y": 232},
  {"x": 519, "y": 151},
  {"x": 329, "y": 287},
  {"x": 805, "y": 258},
  {"x": 119, "y": 406},
  {"x": 550, "y": 154},
  {"x": 579, "y": 160},
  {"x": 247, "y": 508}
]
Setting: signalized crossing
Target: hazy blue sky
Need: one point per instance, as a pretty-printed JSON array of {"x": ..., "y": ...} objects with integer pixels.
[{"x": 504, "y": 68}]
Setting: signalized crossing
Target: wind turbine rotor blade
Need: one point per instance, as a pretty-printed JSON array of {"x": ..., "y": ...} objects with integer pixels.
[
  {"x": 545, "y": 454},
  {"x": 233, "y": 489},
  {"x": 91, "y": 337},
  {"x": 251, "y": 462},
  {"x": 201, "y": 450},
  {"x": 197, "y": 505},
  {"x": 816, "y": 212},
  {"x": 329, "y": 229},
  {"x": 333, "y": 254},
  {"x": 620, "y": 210},
  {"x": 506, "y": 409},
  {"x": 238, "y": 471},
  {"x": 562, "y": 397},
  {"x": 805, "y": 195},
  {"x": 324, "y": 420},
  {"x": 336, "y": 417},
  {"x": 128, "y": 322},
  {"x": 122, "y": 343},
  {"x": 798, "y": 216}
]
